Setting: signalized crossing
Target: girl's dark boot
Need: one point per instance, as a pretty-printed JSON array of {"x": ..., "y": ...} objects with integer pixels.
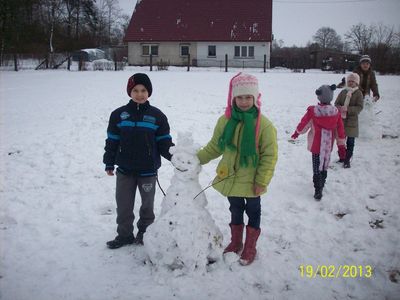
[{"x": 318, "y": 186}]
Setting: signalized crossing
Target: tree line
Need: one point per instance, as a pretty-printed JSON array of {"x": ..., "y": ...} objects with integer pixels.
[
  {"x": 380, "y": 41},
  {"x": 47, "y": 26}
]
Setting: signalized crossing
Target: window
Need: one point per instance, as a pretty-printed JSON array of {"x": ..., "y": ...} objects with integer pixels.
[
  {"x": 244, "y": 51},
  {"x": 145, "y": 50},
  {"x": 251, "y": 51},
  {"x": 237, "y": 51},
  {"x": 154, "y": 50},
  {"x": 212, "y": 50},
  {"x": 184, "y": 50},
  {"x": 149, "y": 49}
]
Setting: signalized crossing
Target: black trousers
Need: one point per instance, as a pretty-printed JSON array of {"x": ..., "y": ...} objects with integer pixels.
[
  {"x": 252, "y": 207},
  {"x": 350, "y": 146}
]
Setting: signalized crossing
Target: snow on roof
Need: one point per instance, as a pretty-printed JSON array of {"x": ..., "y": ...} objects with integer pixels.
[{"x": 206, "y": 20}]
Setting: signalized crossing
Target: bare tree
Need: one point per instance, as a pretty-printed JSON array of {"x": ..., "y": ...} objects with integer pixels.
[
  {"x": 383, "y": 35},
  {"x": 396, "y": 38},
  {"x": 53, "y": 10},
  {"x": 360, "y": 37},
  {"x": 109, "y": 13},
  {"x": 327, "y": 38}
]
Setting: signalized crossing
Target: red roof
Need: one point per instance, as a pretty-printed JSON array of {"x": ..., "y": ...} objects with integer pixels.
[{"x": 201, "y": 20}]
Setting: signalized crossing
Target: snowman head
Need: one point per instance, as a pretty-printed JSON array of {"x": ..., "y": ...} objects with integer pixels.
[{"x": 184, "y": 157}]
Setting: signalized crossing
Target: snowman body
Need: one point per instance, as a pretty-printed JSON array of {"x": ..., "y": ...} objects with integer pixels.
[
  {"x": 370, "y": 127},
  {"x": 184, "y": 236}
]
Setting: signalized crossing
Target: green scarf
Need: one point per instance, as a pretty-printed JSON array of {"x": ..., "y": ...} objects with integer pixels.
[{"x": 248, "y": 146}]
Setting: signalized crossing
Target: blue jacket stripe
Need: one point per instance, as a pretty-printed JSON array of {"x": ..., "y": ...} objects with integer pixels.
[
  {"x": 147, "y": 125},
  {"x": 113, "y": 136},
  {"x": 138, "y": 124},
  {"x": 161, "y": 137},
  {"x": 126, "y": 124}
]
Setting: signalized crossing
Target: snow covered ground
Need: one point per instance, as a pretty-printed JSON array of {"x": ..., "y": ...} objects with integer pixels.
[{"x": 57, "y": 205}]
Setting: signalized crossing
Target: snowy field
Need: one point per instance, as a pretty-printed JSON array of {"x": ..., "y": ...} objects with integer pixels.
[{"x": 58, "y": 208}]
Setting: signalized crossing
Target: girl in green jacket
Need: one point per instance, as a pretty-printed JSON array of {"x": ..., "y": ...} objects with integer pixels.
[{"x": 246, "y": 139}]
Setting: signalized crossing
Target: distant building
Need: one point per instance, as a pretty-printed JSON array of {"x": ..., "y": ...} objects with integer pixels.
[
  {"x": 90, "y": 54},
  {"x": 205, "y": 29}
]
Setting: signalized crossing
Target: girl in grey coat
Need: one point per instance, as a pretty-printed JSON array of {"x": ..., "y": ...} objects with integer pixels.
[{"x": 350, "y": 104}]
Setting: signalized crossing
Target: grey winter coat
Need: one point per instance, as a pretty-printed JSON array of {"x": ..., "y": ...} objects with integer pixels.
[{"x": 355, "y": 107}]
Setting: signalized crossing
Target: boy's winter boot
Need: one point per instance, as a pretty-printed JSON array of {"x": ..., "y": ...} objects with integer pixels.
[
  {"x": 139, "y": 238},
  {"x": 120, "y": 241},
  {"x": 236, "y": 244},
  {"x": 317, "y": 179},
  {"x": 250, "y": 251}
]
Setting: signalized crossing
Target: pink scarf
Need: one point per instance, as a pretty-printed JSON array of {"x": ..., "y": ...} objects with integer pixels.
[{"x": 326, "y": 135}]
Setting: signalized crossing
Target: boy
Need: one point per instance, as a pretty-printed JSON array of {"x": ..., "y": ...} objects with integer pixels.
[{"x": 137, "y": 134}]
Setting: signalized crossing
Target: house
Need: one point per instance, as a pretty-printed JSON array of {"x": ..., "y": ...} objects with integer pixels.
[{"x": 204, "y": 30}]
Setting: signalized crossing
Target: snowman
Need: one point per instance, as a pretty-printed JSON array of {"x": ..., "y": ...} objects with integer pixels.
[
  {"x": 184, "y": 237},
  {"x": 369, "y": 125}
]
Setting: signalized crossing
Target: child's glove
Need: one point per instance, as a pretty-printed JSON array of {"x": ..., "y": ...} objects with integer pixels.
[
  {"x": 343, "y": 111},
  {"x": 342, "y": 83},
  {"x": 342, "y": 152},
  {"x": 110, "y": 170},
  {"x": 295, "y": 135}
]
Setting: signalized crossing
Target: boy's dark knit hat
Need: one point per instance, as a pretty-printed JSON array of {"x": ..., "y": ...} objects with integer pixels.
[
  {"x": 325, "y": 93},
  {"x": 365, "y": 58},
  {"x": 139, "y": 78}
]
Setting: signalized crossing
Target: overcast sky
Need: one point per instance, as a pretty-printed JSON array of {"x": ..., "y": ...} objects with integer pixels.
[{"x": 296, "y": 21}]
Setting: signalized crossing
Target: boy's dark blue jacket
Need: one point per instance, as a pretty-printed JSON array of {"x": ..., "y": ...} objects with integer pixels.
[{"x": 136, "y": 136}]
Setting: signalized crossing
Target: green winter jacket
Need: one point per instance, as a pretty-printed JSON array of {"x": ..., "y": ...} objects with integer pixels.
[{"x": 233, "y": 179}]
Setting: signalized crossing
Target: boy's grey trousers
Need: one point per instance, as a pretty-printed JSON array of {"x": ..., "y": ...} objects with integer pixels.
[{"x": 125, "y": 196}]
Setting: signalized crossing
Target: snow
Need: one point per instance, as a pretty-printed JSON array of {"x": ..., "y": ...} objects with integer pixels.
[{"x": 58, "y": 208}]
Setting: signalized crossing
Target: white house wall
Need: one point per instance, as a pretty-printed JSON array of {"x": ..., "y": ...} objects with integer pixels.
[
  {"x": 222, "y": 48},
  {"x": 167, "y": 52},
  {"x": 170, "y": 52}
]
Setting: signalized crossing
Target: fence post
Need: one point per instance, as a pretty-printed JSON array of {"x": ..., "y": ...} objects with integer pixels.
[
  {"x": 226, "y": 62},
  {"x": 15, "y": 62},
  {"x": 188, "y": 63},
  {"x": 80, "y": 61},
  {"x": 151, "y": 62},
  {"x": 265, "y": 63},
  {"x": 69, "y": 62},
  {"x": 115, "y": 61},
  {"x": 47, "y": 60}
]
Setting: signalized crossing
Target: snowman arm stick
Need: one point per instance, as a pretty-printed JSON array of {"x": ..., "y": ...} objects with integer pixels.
[
  {"x": 207, "y": 187},
  {"x": 159, "y": 185}
]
